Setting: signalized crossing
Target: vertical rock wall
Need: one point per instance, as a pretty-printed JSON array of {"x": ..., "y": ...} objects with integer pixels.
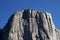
[{"x": 30, "y": 25}]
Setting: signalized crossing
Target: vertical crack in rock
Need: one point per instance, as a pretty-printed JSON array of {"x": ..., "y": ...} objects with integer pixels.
[
  {"x": 39, "y": 23},
  {"x": 27, "y": 35},
  {"x": 30, "y": 25}
]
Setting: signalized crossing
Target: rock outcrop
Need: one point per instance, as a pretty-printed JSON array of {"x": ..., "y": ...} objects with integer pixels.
[{"x": 30, "y": 25}]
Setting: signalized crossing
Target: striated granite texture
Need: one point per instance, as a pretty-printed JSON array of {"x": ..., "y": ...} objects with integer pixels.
[{"x": 30, "y": 25}]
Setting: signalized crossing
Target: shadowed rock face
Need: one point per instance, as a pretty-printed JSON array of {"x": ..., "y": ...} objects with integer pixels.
[{"x": 30, "y": 25}]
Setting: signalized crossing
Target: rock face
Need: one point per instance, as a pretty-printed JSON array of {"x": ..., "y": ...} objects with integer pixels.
[{"x": 30, "y": 25}]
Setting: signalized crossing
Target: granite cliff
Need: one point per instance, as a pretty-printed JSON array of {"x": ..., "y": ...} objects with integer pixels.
[{"x": 30, "y": 25}]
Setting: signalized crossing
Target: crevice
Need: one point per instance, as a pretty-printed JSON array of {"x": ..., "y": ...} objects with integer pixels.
[
  {"x": 27, "y": 35},
  {"x": 39, "y": 21}
]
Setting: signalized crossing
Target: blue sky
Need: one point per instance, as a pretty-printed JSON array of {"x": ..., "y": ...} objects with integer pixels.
[{"x": 8, "y": 7}]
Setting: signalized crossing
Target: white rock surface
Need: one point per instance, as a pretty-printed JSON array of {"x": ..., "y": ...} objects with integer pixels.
[{"x": 30, "y": 25}]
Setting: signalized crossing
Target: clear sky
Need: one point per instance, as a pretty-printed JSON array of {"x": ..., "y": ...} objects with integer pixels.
[{"x": 8, "y": 7}]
